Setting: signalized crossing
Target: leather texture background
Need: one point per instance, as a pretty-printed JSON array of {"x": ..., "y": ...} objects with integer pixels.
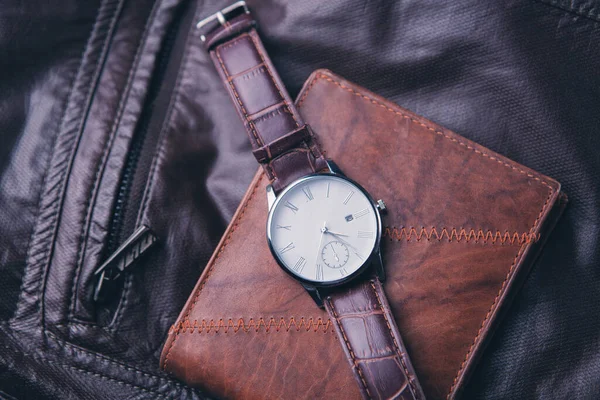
[
  {"x": 518, "y": 77},
  {"x": 451, "y": 264}
]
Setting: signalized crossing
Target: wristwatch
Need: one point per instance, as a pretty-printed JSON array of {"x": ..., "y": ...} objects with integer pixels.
[{"x": 323, "y": 229}]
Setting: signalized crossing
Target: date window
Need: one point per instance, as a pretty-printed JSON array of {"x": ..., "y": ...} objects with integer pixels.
[{"x": 349, "y": 218}]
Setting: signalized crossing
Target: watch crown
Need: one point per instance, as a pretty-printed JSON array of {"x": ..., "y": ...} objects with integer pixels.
[{"x": 381, "y": 205}]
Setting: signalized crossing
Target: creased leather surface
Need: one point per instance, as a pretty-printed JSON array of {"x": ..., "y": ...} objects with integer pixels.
[
  {"x": 445, "y": 294},
  {"x": 519, "y": 77}
]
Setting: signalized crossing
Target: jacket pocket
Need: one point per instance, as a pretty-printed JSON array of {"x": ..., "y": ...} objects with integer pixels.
[
  {"x": 99, "y": 210},
  {"x": 103, "y": 286}
]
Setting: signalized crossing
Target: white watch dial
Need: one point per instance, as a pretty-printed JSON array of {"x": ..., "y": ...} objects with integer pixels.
[{"x": 323, "y": 228}]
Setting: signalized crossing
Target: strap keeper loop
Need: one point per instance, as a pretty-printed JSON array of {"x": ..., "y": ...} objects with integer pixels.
[{"x": 283, "y": 144}]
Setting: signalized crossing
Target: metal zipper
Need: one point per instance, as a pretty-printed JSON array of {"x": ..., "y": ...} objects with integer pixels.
[{"x": 121, "y": 257}]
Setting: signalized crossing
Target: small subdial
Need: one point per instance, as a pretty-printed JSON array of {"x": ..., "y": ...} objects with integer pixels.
[{"x": 335, "y": 254}]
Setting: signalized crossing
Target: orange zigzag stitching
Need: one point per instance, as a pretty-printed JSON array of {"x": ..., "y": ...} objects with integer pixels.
[
  {"x": 253, "y": 325},
  {"x": 458, "y": 235}
]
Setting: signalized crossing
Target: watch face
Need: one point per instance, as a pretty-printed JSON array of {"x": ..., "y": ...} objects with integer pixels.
[{"x": 323, "y": 229}]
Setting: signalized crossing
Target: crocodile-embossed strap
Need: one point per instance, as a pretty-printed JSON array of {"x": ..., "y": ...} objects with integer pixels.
[
  {"x": 371, "y": 341},
  {"x": 286, "y": 148},
  {"x": 281, "y": 141}
]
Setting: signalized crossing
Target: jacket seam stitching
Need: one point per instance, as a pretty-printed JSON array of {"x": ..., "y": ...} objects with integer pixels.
[
  {"x": 103, "y": 160},
  {"x": 100, "y": 358},
  {"x": 107, "y": 360},
  {"x": 64, "y": 166}
]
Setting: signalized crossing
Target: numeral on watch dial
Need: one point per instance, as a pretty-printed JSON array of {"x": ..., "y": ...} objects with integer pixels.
[
  {"x": 347, "y": 199},
  {"x": 360, "y": 213},
  {"x": 319, "y": 276},
  {"x": 299, "y": 266},
  {"x": 308, "y": 193},
  {"x": 289, "y": 247},
  {"x": 291, "y": 207}
]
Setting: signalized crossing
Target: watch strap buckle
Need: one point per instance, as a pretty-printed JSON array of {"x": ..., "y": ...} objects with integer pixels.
[{"x": 222, "y": 16}]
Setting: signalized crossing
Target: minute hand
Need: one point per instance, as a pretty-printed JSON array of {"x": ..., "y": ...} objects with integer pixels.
[{"x": 337, "y": 234}]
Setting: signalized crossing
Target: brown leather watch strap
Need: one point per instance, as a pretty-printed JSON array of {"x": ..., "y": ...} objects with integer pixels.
[
  {"x": 287, "y": 149},
  {"x": 371, "y": 341},
  {"x": 281, "y": 141}
]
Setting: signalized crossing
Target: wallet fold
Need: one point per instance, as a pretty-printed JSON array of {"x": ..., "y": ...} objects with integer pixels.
[{"x": 463, "y": 228}]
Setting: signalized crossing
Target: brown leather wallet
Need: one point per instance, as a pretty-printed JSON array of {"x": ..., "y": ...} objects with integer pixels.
[{"x": 463, "y": 228}]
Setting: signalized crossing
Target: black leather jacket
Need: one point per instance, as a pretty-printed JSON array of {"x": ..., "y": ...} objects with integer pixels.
[{"x": 111, "y": 116}]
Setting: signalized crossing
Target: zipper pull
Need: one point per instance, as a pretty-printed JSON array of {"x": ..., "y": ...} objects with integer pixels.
[{"x": 137, "y": 244}]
